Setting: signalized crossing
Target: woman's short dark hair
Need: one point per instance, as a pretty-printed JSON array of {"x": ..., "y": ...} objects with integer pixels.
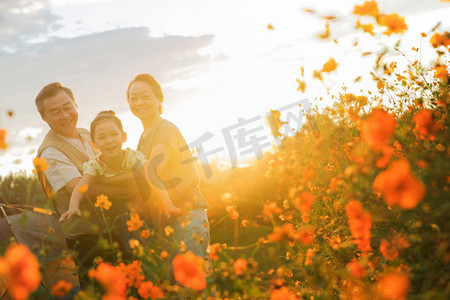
[
  {"x": 106, "y": 115},
  {"x": 154, "y": 85},
  {"x": 51, "y": 90}
]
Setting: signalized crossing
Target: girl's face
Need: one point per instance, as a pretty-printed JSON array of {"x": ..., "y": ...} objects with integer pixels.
[
  {"x": 142, "y": 101},
  {"x": 109, "y": 138}
]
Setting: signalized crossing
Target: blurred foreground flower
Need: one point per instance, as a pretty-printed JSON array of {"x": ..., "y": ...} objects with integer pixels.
[
  {"x": 188, "y": 270},
  {"x": 240, "y": 265},
  {"x": 40, "y": 165},
  {"x": 393, "y": 22},
  {"x": 378, "y": 129},
  {"x": 398, "y": 185},
  {"x": 3, "y": 144},
  {"x": 283, "y": 294},
  {"x": 368, "y": 8},
  {"x": 111, "y": 279},
  {"x": 61, "y": 288},
  {"x": 19, "y": 269},
  {"x": 394, "y": 285},
  {"x": 231, "y": 210}
]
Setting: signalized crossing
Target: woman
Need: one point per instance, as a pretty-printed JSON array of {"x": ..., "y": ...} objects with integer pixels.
[{"x": 167, "y": 152}]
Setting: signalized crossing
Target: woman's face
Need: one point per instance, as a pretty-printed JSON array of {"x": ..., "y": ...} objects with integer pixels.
[{"x": 142, "y": 101}]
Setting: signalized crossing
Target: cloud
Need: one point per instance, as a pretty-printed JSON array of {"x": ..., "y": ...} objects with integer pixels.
[
  {"x": 96, "y": 67},
  {"x": 24, "y": 20}
]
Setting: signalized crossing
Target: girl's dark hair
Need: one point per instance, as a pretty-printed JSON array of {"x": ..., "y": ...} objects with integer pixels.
[{"x": 103, "y": 116}]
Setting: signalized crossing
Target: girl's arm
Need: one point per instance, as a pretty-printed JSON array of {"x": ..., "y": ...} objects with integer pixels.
[{"x": 75, "y": 199}]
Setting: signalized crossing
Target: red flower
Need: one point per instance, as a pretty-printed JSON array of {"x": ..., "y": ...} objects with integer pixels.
[{"x": 188, "y": 270}]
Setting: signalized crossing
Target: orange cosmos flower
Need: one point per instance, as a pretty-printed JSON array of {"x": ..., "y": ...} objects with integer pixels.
[
  {"x": 148, "y": 290},
  {"x": 398, "y": 186},
  {"x": 309, "y": 256},
  {"x": 440, "y": 39},
  {"x": 304, "y": 235},
  {"x": 390, "y": 249},
  {"x": 83, "y": 189},
  {"x": 394, "y": 285},
  {"x": 301, "y": 86},
  {"x": 134, "y": 223},
  {"x": 40, "y": 165},
  {"x": 271, "y": 208},
  {"x": 377, "y": 130},
  {"x": 133, "y": 274},
  {"x": 111, "y": 279},
  {"x": 440, "y": 71},
  {"x": 213, "y": 251},
  {"x": 380, "y": 85},
  {"x": 304, "y": 203},
  {"x": 281, "y": 232},
  {"x": 365, "y": 27},
  {"x": 330, "y": 65},
  {"x": 188, "y": 270},
  {"x": 240, "y": 265},
  {"x": 231, "y": 210},
  {"x": 3, "y": 144},
  {"x": 357, "y": 269},
  {"x": 393, "y": 22},
  {"x": 102, "y": 201},
  {"x": 61, "y": 288},
  {"x": 145, "y": 233},
  {"x": 425, "y": 123},
  {"x": 20, "y": 270},
  {"x": 368, "y": 8},
  {"x": 283, "y": 293},
  {"x": 360, "y": 223}
]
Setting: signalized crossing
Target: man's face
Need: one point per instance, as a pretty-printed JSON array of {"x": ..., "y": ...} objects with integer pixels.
[{"x": 60, "y": 113}]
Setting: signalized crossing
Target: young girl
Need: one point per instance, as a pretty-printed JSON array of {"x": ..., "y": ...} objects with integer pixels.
[{"x": 108, "y": 136}]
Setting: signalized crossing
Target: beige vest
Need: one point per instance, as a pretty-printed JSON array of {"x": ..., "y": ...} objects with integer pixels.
[{"x": 89, "y": 223}]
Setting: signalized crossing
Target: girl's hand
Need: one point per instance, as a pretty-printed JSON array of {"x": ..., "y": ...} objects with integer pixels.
[{"x": 72, "y": 211}]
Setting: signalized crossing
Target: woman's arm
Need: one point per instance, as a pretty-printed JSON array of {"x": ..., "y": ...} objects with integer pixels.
[{"x": 76, "y": 197}]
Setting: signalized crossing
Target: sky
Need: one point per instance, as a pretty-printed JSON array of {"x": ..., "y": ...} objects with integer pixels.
[{"x": 219, "y": 65}]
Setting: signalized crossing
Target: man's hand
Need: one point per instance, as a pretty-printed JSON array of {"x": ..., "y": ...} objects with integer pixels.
[{"x": 71, "y": 212}]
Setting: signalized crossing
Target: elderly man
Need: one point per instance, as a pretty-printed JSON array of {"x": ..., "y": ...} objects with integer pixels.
[{"x": 66, "y": 148}]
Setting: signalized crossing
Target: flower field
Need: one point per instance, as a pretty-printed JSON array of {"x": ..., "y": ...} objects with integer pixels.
[{"x": 354, "y": 206}]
